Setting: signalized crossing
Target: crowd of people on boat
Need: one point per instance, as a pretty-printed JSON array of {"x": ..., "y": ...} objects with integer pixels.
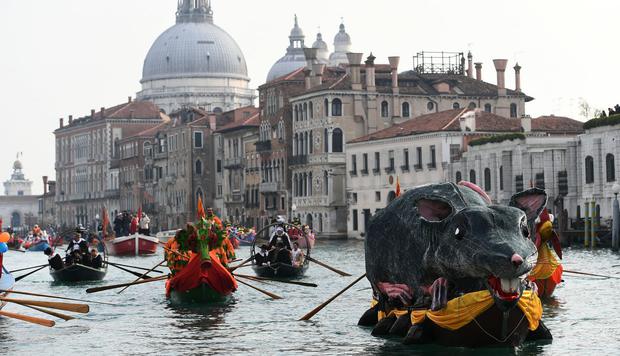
[
  {"x": 79, "y": 251},
  {"x": 127, "y": 223},
  {"x": 282, "y": 248}
]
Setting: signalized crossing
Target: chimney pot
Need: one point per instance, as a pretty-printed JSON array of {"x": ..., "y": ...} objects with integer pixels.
[
  {"x": 517, "y": 69},
  {"x": 62, "y": 122},
  {"x": 355, "y": 59},
  {"x": 310, "y": 54},
  {"x": 500, "y": 67},
  {"x": 370, "y": 73},
  {"x": 129, "y": 99},
  {"x": 478, "y": 70},
  {"x": 70, "y": 119},
  {"x": 394, "y": 61},
  {"x": 92, "y": 112},
  {"x": 44, "y": 184},
  {"x": 470, "y": 71}
]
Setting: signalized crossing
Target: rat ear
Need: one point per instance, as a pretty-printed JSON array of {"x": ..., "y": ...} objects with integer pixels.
[
  {"x": 476, "y": 189},
  {"x": 433, "y": 209},
  {"x": 532, "y": 201}
]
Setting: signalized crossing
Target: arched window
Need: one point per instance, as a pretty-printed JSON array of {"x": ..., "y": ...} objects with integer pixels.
[
  {"x": 501, "y": 177},
  {"x": 513, "y": 110},
  {"x": 385, "y": 109},
  {"x": 430, "y": 106},
  {"x": 310, "y": 184},
  {"x": 305, "y": 184},
  {"x": 336, "y": 107},
  {"x": 487, "y": 179},
  {"x": 487, "y": 107},
  {"x": 326, "y": 141},
  {"x": 296, "y": 113},
  {"x": 406, "y": 109},
  {"x": 311, "y": 142},
  {"x": 305, "y": 111},
  {"x": 326, "y": 105},
  {"x": 589, "y": 170},
  {"x": 296, "y": 150},
  {"x": 198, "y": 167},
  {"x": 306, "y": 143},
  {"x": 471, "y": 105},
  {"x": 311, "y": 110},
  {"x": 337, "y": 140},
  {"x": 295, "y": 185},
  {"x": 325, "y": 183},
  {"x": 459, "y": 176},
  {"x": 611, "y": 167},
  {"x": 472, "y": 176},
  {"x": 456, "y": 106}
]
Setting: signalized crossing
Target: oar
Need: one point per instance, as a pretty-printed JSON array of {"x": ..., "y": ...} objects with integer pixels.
[
  {"x": 52, "y": 313},
  {"x": 53, "y": 296},
  {"x": 344, "y": 274},
  {"x": 132, "y": 272},
  {"x": 114, "y": 286},
  {"x": 27, "y": 268},
  {"x": 241, "y": 265},
  {"x": 17, "y": 279},
  {"x": 18, "y": 250},
  {"x": 72, "y": 307},
  {"x": 591, "y": 274},
  {"x": 30, "y": 319},
  {"x": 129, "y": 266},
  {"x": 142, "y": 276},
  {"x": 253, "y": 279},
  {"x": 278, "y": 280},
  {"x": 318, "y": 309},
  {"x": 273, "y": 296}
]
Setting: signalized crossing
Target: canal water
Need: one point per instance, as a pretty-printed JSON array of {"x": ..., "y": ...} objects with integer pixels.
[{"x": 584, "y": 316}]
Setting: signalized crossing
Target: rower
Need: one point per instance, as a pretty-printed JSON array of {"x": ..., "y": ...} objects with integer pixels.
[
  {"x": 95, "y": 258},
  {"x": 54, "y": 259},
  {"x": 297, "y": 255},
  {"x": 262, "y": 257}
]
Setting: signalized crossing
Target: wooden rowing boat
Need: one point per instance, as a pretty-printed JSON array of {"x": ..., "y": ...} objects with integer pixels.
[
  {"x": 78, "y": 273},
  {"x": 280, "y": 270}
]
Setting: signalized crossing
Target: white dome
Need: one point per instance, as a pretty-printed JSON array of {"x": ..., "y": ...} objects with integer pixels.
[
  {"x": 323, "y": 50},
  {"x": 342, "y": 45},
  {"x": 294, "y": 57}
]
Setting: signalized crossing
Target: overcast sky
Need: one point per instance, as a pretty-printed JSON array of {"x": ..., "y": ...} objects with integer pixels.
[{"x": 66, "y": 57}]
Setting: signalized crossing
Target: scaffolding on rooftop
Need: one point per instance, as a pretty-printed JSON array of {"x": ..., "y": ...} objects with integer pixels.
[{"x": 439, "y": 62}]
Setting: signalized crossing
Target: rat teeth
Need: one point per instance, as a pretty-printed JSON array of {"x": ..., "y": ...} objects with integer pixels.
[{"x": 510, "y": 285}]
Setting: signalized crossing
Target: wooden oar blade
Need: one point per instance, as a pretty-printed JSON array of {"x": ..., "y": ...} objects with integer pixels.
[
  {"x": 72, "y": 307},
  {"x": 52, "y": 313},
  {"x": 271, "y": 295},
  {"x": 304, "y": 284},
  {"x": 29, "y": 319},
  {"x": 314, "y": 311},
  {"x": 312, "y": 259},
  {"x": 27, "y": 268},
  {"x": 55, "y": 297},
  {"x": 115, "y": 286},
  {"x": 17, "y": 279}
]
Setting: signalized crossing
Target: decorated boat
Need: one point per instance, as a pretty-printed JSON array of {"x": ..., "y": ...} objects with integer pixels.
[
  {"x": 547, "y": 273},
  {"x": 274, "y": 268},
  {"x": 447, "y": 266},
  {"x": 133, "y": 245},
  {"x": 198, "y": 258}
]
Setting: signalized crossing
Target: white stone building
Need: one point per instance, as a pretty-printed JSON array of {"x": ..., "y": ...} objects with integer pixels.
[
  {"x": 196, "y": 63},
  {"x": 18, "y": 207}
]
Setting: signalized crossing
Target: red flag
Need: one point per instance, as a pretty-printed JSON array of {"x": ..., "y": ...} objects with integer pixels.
[
  {"x": 105, "y": 222},
  {"x": 201, "y": 209},
  {"x": 397, "y": 187}
]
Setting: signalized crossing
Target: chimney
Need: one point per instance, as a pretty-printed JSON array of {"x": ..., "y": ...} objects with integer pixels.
[
  {"x": 500, "y": 68},
  {"x": 526, "y": 123},
  {"x": 318, "y": 70},
  {"x": 370, "y": 73},
  {"x": 517, "y": 69},
  {"x": 212, "y": 122},
  {"x": 310, "y": 54},
  {"x": 62, "y": 122},
  {"x": 44, "y": 185},
  {"x": 102, "y": 111},
  {"x": 129, "y": 99},
  {"x": 308, "y": 78},
  {"x": 478, "y": 70},
  {"x": 394, "y": 61},
  {"x": 467, "y": 121},
  {"x": 92, "y": 113},
  {"x": 355, "y": 59},
  {"x": 470, "y": 71},
  {"x": 70, "y": 119}
]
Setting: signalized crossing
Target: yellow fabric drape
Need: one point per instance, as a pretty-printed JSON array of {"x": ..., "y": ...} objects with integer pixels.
[
  {"x": 546, "y": 264},
  {"x": 462, "y": 310}
]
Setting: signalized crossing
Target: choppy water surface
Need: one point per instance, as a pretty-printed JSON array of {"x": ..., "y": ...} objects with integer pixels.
[{"x": 583, "y": 317}]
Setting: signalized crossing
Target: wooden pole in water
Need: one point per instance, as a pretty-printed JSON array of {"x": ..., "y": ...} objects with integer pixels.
[
  {"x": 594, "y": 224},
  {"x": 586, "y": 225}
]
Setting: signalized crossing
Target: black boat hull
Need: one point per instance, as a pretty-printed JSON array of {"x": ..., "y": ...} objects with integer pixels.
[
  {"x": 78, "y": 273},
  {"x": 280, "y": 270}
]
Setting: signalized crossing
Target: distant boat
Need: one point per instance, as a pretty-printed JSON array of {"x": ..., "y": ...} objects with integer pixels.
[
  {"x": 134, "y": 245},
  {"x": 78, "y": 273}
]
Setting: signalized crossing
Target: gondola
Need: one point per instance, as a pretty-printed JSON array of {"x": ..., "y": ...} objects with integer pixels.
[
  {"x": 78, "y": 273},
  {"x": 279, "y": 270}
]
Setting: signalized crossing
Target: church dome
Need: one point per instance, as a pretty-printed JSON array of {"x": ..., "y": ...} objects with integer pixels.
[
  {"x": 294, "y": 57},
  {"x": 342, "y": 37},
  {"x": 323, "y": 50},
  {"x": 17, "y": 165},
  {"x": 342, "y": 45},
  {"x": 194, "y": 47}
]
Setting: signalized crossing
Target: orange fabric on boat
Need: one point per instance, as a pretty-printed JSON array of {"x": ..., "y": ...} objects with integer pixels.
[
  {"x": 198, "y": 272},
  {"x": 463, "y": 310},
  {"x": 546, "y": 265}
]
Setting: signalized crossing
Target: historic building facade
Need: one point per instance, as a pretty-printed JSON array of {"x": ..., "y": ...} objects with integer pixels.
[
  {"x": 88, "y": 159},
  {"x": 18, "y": 207},
  {"x": 196, "y": 64},
  {"x": 341, "y": 104}
]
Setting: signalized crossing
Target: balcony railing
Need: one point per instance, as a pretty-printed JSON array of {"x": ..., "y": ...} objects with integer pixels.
[
  {"x": 389, "y": 170},
  {"x": 376, "y": 171},
  {"x": 233, "y": 163},
  {"x": 364, "y": 172},
  {"x": 234, "y": 198},
  {"x": 432, "y": 165},
  {"x": 404, "y": 168},
  {"x": 418, "y": 167},
  {"x": 271, "y": 187},
  {"x": 298, "y": 160},
  {"x": 263, "y": 146}
]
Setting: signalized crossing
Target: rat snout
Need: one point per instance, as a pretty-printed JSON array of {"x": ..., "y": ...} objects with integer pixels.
[{"x": 516, "y": 260}]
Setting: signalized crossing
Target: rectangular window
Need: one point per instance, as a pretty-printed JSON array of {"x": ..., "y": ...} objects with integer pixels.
[
  {"x": 377, "y": 163},
  {"x": 519, "y": 183},
  {"x": 282, "y": 203},
  {"x": 354, "y": 197},
  {"x": 219, "y": 166},
  {"x": 377, "y": 196},
  {"x": 433, "y": 163},
  {"x": 418, "y": 165},
  {"x": 390, "y": 167},
  {"x": 405, "y": 166},
  {"x": 197, "y": 139},
  {"x": 540, "y": 180},
  {"x": 455, "y": 153},
  {"x": 365, "y": 163},
  {"x": 355, "y": 222},
  {"x": 353, "y": 165}
]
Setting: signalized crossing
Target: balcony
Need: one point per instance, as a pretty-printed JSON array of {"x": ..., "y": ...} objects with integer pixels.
[
  {"x": 272, "y": 187},
  {"x": 263, "y": 146},
  {"x": 404, "y": 168},
  {"x": 364, "y": 172},
  {"x": 389, "y": 170},
  {"x": 353, "y": 173},
  {"x": 298, "y": 160},
  {"x": 432, "y": 165},
  {"x": 418, "y": 167},
  {"x": 111, "y": 193},
  {"x": 234, "y": 198},
  {"x": 376, "y": 171},
  {"x": 233, "y": 163}
]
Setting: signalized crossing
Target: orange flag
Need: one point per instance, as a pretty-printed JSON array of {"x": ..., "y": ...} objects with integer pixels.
[
  {"x": 397, "y": 187},
  {"x": 201, "y": 209},
  {"x": 104, "y": 223}
]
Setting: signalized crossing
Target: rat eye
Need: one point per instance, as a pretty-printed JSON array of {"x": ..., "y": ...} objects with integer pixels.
[
  {"x": 525, "y": 230},
  {"x": 459, "y": 233}
]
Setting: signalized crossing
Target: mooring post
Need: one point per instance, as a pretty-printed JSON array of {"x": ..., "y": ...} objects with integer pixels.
[
  {"x": 586, "y": 225},
  {"x": 594, "y": 223},
  {"x": 615, "y": 233}
]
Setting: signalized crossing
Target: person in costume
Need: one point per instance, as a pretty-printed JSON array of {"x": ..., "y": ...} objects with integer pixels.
[{"x": 280, "y": 236}]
